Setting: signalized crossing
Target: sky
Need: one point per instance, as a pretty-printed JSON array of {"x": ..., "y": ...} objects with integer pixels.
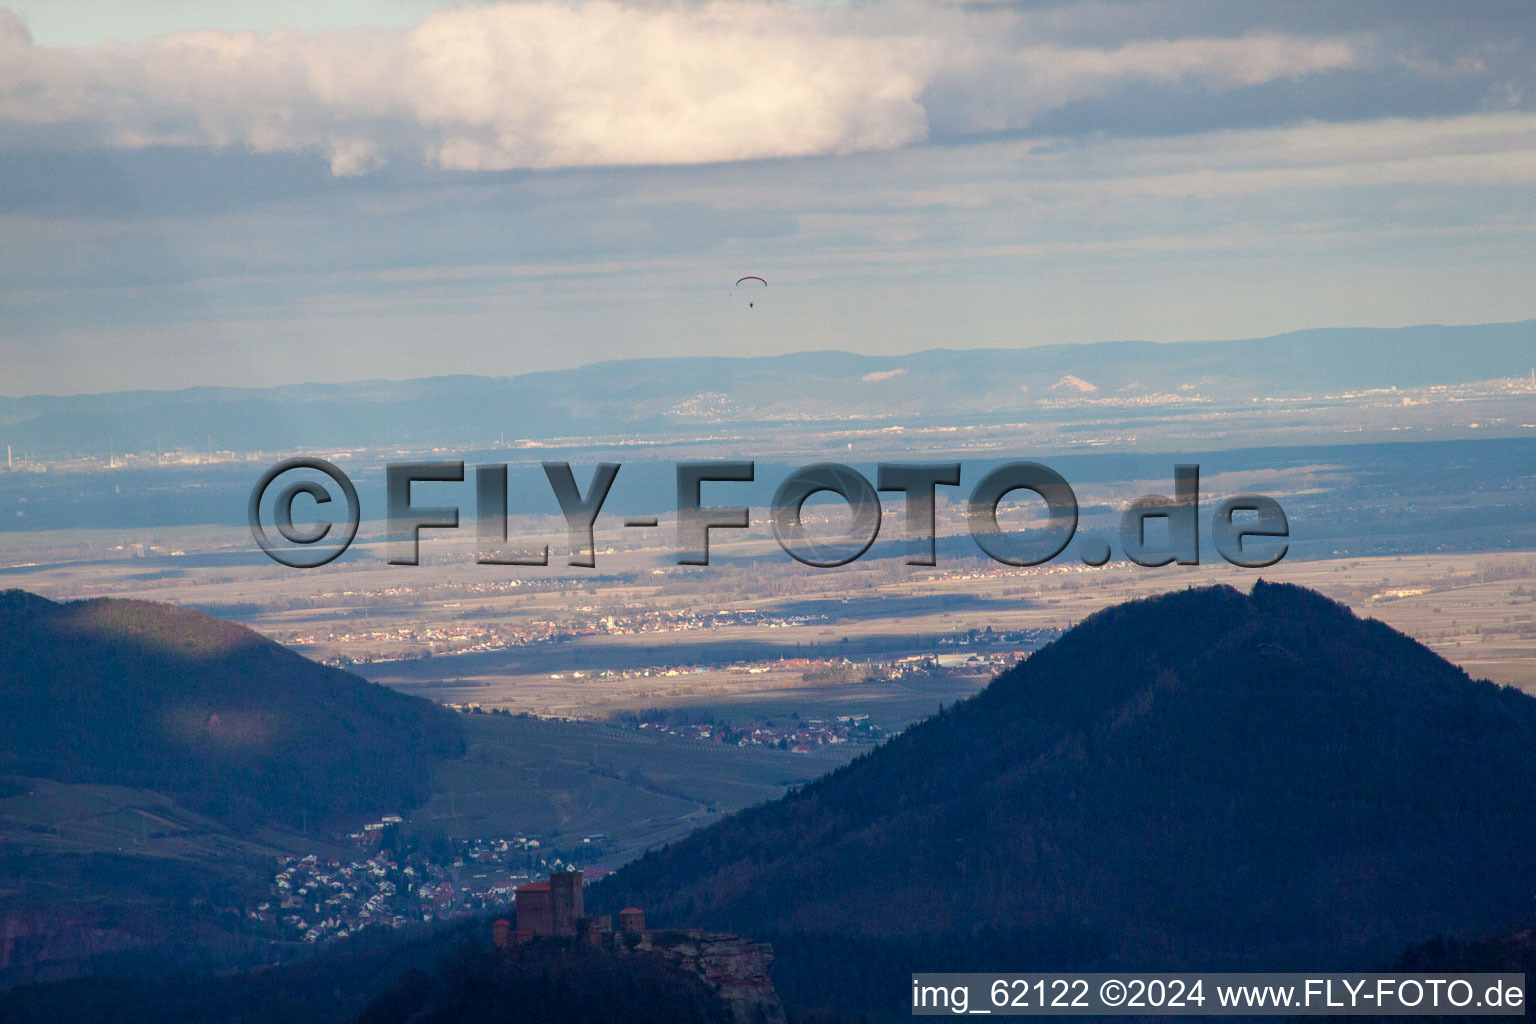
[{"x": 236, "y": 194}]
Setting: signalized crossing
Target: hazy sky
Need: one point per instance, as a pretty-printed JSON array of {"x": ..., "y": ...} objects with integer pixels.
[{"x": 201, "y": 193}]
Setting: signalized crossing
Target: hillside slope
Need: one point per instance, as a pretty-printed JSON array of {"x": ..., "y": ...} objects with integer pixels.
[
  {"x": 130, "y": 693},
  {"x": 1202, "y": 779}
]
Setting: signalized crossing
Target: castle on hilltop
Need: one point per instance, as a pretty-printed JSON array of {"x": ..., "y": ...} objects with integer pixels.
[
  {"x": 734, "y": 969},
  {"x": 556, "y": 908}
]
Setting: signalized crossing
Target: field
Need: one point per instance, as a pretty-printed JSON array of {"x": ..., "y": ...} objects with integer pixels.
[
  {"x": 564, "y": 780},
  {"x": 555, "y": 780},
  {"x": 65, "y": 818}
]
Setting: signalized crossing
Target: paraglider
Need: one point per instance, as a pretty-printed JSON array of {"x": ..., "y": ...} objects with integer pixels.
[{"x": 751, "y": 277}]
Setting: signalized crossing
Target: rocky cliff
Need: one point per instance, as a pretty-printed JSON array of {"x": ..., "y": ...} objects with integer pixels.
[{"x": 735, "y": 969}]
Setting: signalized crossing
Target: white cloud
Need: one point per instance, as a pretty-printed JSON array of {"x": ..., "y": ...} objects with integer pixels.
[{"x": 543, "y": 84}]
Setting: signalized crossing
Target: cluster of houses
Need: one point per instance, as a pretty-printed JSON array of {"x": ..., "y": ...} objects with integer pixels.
[
  {"x": 317, "y": 899},
  {"x": 470, "y": 637},
  {"x": 326, "y": 899},
  {"x": 1028, "y": 638},
  {"x": 798, "y": 737}
]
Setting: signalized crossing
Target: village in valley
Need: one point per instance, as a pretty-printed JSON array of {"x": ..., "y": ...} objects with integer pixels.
[{"x": 396, "y": 884}]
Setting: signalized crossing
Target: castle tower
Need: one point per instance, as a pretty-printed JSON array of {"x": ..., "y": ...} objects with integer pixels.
[
  {"x": 631, "y": 920},
  {"x": 533, "y": 909},
  {"x": 565, "y": 901}
]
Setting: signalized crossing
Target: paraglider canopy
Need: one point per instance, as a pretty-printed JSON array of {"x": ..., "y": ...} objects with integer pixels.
[{"x": 751, "y": 277}]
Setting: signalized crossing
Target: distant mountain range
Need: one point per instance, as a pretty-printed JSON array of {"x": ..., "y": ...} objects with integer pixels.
[
  {"x": 230, "y": 724},
  {"x": 1206, "y": 779},
  {"x": 686, "y": 396}
]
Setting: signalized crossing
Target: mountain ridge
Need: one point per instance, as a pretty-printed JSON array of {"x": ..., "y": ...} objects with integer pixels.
[
  {"x": 1205, "y": 779},
  {"x": 672, "y": 395}
]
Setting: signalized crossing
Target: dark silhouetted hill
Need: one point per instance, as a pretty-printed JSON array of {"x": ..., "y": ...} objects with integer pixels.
[
  {"x": 378, "y": 977},
  {"x": 232, "y": 725},
  {"x": 1202, "y": 779},
  {"x": 548, "y": 985},
  {"x": 1513, "y": 952},
  {"x": 338, "y": 983}
]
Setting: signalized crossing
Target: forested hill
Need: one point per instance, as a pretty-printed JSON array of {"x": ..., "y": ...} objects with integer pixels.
[
  {"x": 1202, "y": 779},
  {"x": 234, "y": 726}
]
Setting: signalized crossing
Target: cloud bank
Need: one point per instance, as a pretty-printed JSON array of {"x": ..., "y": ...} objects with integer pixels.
[{"x": 594, "y": 83}]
